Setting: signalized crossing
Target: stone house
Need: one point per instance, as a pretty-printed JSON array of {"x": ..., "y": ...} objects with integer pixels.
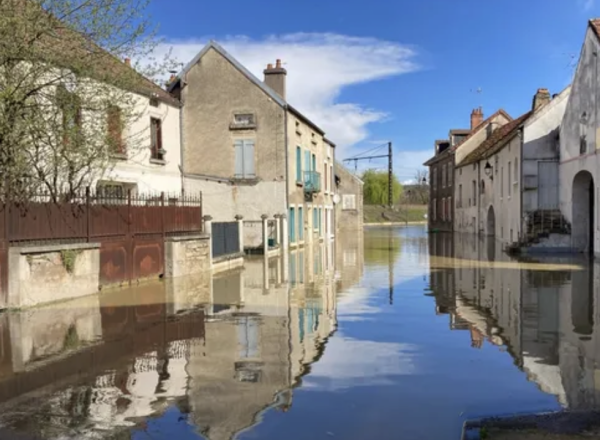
[
  {"x": 579, "y": 169},
  {"x": 440, "y": 215},
  {"x": 513, "y": 176},
  {"x": 349, "y": 213},
  {"x": 244, "y": 143},
  {"x": 466, "y": 178}
]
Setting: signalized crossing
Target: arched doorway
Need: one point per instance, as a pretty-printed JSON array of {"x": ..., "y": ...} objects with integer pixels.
[
  {"x": 491, "y": 222},
  {"x": 583, "y": 212}
]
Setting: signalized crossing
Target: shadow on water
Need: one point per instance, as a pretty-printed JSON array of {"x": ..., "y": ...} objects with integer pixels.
[{"x": 366, "y": 337}]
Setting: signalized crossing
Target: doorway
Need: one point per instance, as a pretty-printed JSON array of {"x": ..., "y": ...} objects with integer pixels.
[{"x": 583, "y": 198}]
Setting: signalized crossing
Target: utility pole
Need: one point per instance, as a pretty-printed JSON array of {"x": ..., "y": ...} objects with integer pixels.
[
  {"x": 390, "y": 169},
  {"x": 390, "y": 175}
]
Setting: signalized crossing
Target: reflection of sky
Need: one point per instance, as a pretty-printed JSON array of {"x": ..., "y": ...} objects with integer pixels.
[{"x": 352, "y": 362}]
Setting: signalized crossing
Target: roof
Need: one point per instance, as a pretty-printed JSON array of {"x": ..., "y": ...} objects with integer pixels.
[
  {"x": 594, "y": 24},
  {"x": 64, "y": 46},
  {"x": 499, "y": 138},
  {"x": 329, "y": 142},
  {"x": 442, "y": 141},
  {"x": 438, "y": 157},
  {"x": 242, "y": 69},
  {"x": 481, "y": 126},
  {"x": 460, "y": 131}
]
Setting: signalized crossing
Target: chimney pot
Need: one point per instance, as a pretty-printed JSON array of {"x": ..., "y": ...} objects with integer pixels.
[
  {"x": 541, "y": 98},
  {"x": 269, "y": 66},
  {"x": 128, "y": 61},
  {"x": 278, "y": 64},
  {"x": 275, "y": 78}
]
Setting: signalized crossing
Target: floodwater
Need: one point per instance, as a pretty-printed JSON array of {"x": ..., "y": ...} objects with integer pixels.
[{"x": 390, "y": 335}]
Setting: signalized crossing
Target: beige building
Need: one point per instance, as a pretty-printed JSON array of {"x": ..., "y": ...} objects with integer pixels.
[
  {"x": 249, "y": 151},
  {"x": 467, "y": 178},
  {"x": 349, "y": 213}
]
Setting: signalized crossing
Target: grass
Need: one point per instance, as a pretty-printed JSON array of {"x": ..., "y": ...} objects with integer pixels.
[{"x": 399, "y": 214}]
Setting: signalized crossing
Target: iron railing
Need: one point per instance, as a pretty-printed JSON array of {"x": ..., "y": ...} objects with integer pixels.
[{"x": 312, "y": 182}]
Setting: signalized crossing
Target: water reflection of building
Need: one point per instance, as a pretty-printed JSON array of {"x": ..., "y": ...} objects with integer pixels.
[{"x": 547, "y": 314}]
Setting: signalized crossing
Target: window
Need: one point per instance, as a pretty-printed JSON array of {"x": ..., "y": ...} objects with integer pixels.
[
  {"x": 331, "y": 177},
  {"x": 501, "y": 182},
  {"x": 70, "y": 107},
  {"x": 443, "y": 209},
  {"x": 460, "y": 196},
  {"x": 298, "y": 164},
  {"x": 314, "y": 163},
  {"x": 115, "y": 129},
  {"x": 244, "y": 120},
  {"x": 244, "y": 159},
  {"x": 450, "y": 176},
  {"x": 325, "y": 178},
  {"x": 482, "y": 188},
  {"x": 157, "y": 151},
  {"x": 450, "y": 207},
  {"x": 434, "y": 208},
  {"x": 348, "y": 202},
  {"x": 444, "y": 176},
  {"x": 315, "y": 218},
  {"x": 435, "y": 182},
  {"x": 292, "y": 225},
  {"x": 306, "y": 161},
  {"x": 509, "y": 183},
  {"x": 516, "y": 176},
  {"x": 300, "y": 224},
  {"x": 474, "y": 188},
  {"x": 154, "y": 102},
  {"x": 320, "y": 221}
]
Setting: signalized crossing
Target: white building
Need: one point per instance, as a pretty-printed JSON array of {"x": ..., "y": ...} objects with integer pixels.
[{"x": 579, "y": 143}]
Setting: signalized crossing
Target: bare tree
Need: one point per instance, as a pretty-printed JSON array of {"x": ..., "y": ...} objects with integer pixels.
[
  {"x": 68, "y": 95},
  {"x": 421, "y": 189}
]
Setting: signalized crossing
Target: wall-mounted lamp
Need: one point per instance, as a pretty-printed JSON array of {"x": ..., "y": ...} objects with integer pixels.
[
  {"x": 424, "y": 181},
  {"x": 488, "y": 170}
]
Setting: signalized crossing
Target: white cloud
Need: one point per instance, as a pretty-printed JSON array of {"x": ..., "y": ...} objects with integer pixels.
[
  {"x": 351, "y": 362},
  {"x": 319, "y": 67}
]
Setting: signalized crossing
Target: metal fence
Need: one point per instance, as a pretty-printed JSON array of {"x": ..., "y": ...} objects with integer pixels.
[
  {"x": 93, "y": 217},
  {"x": 225, "y": 238}
]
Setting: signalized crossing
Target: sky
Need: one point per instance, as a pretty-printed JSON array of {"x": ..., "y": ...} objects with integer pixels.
[{"x": 369, "y": 72}]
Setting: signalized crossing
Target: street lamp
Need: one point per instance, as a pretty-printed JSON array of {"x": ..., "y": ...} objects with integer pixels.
[{"x": 488, "y": 170}]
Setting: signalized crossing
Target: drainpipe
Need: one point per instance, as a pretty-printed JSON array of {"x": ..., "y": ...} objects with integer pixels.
[
  {"x": 181, "y": 137},
  {"x": 520, "y": 181}
]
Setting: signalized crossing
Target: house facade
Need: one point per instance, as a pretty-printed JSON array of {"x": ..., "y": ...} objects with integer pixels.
[
  {"x": 150, "y": 159},
  {"x": 349, "y": 212},
  {"x": 468, "y": 177},
  {"x": 512, "y": 177},
  {"x": 579, "y": 169},
  {"x": 248, "y": 151}
]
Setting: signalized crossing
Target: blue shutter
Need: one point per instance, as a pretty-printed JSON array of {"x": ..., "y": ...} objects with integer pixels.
[
  {"x": 292, "y": 225},
  {"x": 300, "y": 225},
  {"x": 239, "y": 158},
  {"x": 315, "y": 218},
  {"x": 298, "y": 164},
  {"x": 249, "y": 158}
]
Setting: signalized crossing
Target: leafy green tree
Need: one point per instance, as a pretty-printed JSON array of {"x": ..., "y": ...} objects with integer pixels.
[{"x": 376, "y": 188}]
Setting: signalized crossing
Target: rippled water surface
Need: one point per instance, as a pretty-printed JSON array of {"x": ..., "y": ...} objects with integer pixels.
[{"x": 390, "y": 335}]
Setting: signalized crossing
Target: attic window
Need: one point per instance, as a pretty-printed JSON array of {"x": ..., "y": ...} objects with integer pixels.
[
  {"x": 243, "y": 121},
  {"x": 154, "y": 101}
]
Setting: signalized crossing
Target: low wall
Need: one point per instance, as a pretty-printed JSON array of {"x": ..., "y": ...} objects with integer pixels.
[
  {"x": 187, "y": 255},
  {"x": 43, "y": 274},
  {"x": 227, "y": 262}
]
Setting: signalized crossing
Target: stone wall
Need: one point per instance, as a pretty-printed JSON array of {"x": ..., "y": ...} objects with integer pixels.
[
  {"x": 349, "y": 210},
  {"x": 187, "y": 255},
  {"x": 45, "y": 274}
]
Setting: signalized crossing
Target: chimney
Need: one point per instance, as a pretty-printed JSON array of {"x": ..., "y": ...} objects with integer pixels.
[
  {"x": 128, "y": 61},
  {"x": 476, "y": 117},
  {"x": 542, "y": 97},
  {"x": 275, "y": 78}
]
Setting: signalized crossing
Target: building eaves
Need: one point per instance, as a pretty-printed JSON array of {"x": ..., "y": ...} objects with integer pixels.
[
  {"x": 239, "y": 66},
  {"x": 438, "y": 157},
  {"x": 304, "y": 119},
  {"x": 460, "y": 131},
  {"x": 481, "y": 126},
  {"x": 327, "y": 141},
  {"x": 594, "y": 24},
  {"x": 499, "y": 138}
]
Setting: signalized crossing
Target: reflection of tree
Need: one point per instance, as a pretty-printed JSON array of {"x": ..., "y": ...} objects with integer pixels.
[{"x": 382, "y": 247}]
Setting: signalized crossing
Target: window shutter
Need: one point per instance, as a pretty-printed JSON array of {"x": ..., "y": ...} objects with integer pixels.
[
  {"x": 239, "y": 158},
  {"x": 298, "y": 164},
  {"x": 249, "y": 158}
]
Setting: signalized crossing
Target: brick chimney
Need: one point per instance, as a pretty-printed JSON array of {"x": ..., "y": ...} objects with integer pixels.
[
  {"x": 128, "y": 61},
  {"x": 275, "y": 78},
  {"x": 542, "y": 97},
  {"x": 476, "y": 117}
]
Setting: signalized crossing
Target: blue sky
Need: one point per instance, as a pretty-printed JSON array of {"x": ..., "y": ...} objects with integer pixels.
[{"x": 399, "y": 70}]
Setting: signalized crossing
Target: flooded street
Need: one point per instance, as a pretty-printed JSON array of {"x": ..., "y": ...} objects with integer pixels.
[{"x": 393, "y": 335}]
